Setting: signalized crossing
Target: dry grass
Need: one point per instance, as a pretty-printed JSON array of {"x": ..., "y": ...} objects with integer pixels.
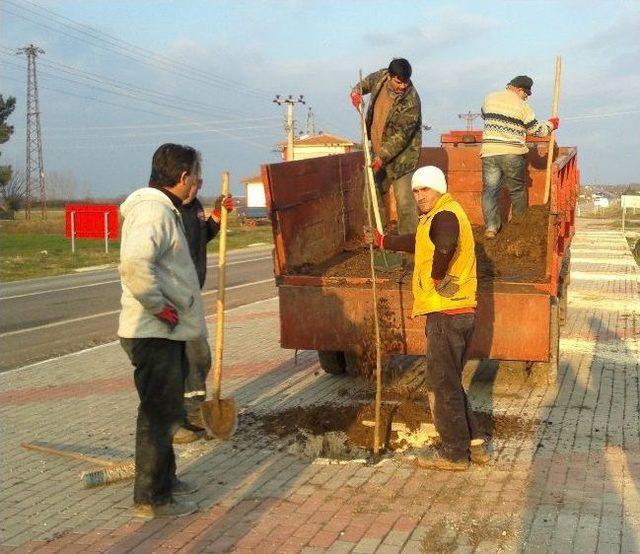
[{"x": 38, "y": 248}]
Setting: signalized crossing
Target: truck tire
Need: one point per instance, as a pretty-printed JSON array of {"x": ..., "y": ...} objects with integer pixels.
[
  {"x": 332, "y": 362},
  {"x": 541, "y": 373}
]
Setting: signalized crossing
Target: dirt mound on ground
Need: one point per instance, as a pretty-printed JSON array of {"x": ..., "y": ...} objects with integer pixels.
[{"x": 355, "y": 423}]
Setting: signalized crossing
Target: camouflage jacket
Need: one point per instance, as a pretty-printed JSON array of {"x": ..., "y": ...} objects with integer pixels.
[{"x": 402, "y": 135}]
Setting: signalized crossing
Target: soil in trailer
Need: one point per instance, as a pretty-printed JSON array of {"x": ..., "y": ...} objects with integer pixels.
[{"x": 517, "y": 254}]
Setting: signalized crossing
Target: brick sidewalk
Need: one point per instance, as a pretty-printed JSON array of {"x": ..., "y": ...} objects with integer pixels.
[{"x": 571, "y": 484}]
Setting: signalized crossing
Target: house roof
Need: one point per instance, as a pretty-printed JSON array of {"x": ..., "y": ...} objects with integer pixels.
[
  {"x": 323, "y": 139},
  {"x": 254, "y": 179}
]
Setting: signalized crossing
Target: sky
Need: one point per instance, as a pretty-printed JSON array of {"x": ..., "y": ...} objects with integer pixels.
[{"x": 118, "y": 78}]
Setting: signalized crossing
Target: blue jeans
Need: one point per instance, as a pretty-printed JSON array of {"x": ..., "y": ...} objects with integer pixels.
[{"x": 507, "y": 169}]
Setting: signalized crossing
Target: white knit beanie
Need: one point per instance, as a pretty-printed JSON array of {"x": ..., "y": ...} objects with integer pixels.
[{"x": 429, "y": 177}]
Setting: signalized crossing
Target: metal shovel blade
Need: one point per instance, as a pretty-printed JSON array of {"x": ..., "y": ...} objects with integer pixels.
[
  {"x": 387, "y": 260},
  {"x": 219, "y": 417}
]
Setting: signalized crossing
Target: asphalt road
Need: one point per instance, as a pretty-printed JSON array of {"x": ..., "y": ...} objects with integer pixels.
[{"x": 45, "y": 318}]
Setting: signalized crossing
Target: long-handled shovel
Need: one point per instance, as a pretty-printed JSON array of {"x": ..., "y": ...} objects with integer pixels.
[
  {"x": 554, "y": 113},
  {"x": 372, "y": 202},
  {"x": 219, "y": 414},
  {"x": 384, "y": 261}
]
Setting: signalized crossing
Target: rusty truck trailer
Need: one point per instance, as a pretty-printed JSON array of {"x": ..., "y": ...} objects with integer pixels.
[{"x": 316, "y": 211}]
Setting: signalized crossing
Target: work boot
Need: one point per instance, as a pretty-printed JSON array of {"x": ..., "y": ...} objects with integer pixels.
[
  {"x": 181, "y": 488},
  {"x": 432, "y": 459},
  {"x": 187, "y": 433},
  {"x": 174, "y": 508},
  {"x": 478, "y": 450}
]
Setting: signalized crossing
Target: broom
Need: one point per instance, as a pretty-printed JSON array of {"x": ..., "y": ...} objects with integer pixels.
[{"x": 111, "y": 471}]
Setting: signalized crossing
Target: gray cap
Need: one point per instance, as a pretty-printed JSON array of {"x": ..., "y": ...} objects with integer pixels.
[{"x": 522, "y": 81}]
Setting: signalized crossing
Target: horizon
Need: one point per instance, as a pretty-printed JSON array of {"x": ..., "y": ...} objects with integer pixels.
[{"x": 107, "y": 104}]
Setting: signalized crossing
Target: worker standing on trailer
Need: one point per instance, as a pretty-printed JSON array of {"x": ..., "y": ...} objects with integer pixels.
[
  {"x": 508, "y": 119},
  {"x": 199, "y": 230},
  {"x": 394, "y": 125},
  {"x": 444, "y": 289},
  {"x": 161, "y": 310}
]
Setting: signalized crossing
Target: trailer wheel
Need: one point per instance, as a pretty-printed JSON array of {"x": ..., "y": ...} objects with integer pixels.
[
  {"x": 332, "y": 362},
  {"x": 547, "y": 372}
]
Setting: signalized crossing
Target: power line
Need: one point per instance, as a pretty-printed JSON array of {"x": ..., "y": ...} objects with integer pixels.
[
  {"x": 127, "y": 49},
  {"x": 140, "y": 96},
  {"x": 138, "y": 110},
  {"x": 158, "y": 125}
]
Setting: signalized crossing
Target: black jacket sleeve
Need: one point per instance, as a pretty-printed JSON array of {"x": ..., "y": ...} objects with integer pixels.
[
  {"x": 444, "y": 233},
  {"x": 212, "y": 228},
  {"x": 400, "y": 243}
]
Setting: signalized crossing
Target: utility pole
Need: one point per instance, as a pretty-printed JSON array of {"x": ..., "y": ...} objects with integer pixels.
[
  {"x": 35, "y": 165},
  {"x": 311, "y": 122},
  {"x": 469, "y": 117},
  {"x": 290, "y": 101}
]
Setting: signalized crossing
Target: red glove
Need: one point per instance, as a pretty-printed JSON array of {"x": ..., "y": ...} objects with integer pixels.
[
  {"x": 225, "y": 202},
  {"x": 168, "y": 315},
  {"x": 356, "y": 99},
  {"x": 377, "y": 164},
  {"x": 379, "y": 238},
  {"x": 555, "y": 121}
]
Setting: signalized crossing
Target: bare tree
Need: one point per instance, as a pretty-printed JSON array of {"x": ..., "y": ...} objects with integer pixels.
[
  {"x": 62, "y": 185},
  {"x": 13, "y": 191}
]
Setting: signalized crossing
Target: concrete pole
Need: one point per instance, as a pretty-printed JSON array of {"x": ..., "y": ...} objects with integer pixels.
[{"x": 290, "y": 131}]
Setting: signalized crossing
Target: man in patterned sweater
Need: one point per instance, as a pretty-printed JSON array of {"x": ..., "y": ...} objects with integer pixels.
[{"x": 508, "y": 118}]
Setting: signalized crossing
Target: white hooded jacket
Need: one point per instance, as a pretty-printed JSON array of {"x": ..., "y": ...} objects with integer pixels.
[{"x": 156, "y": 269}]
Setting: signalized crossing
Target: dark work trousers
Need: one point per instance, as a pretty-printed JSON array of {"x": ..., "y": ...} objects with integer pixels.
[
  {"x": 160, "y": 370},
  {"x": 195, "y": 386},
  {"x": 448, "y": 337}
]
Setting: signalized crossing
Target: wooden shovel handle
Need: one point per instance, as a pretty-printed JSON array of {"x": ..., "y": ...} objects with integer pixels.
[
  {"x": 554, "y": 113},
  {"x": 222, "y": 255},
  {"x": 368, "y": 170},
  {"x": 67, "y": 454}
]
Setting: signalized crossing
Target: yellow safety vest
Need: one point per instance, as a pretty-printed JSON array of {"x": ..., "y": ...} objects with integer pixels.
[{"x": 463, "y": 264}]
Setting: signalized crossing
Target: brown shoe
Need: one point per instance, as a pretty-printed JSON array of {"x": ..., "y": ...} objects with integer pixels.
[
  {"x": 184, "y": 435},
  {"x": 175, "y": 508},
  {"x": 479, "y": 453},
  {"x": 432, "y": 459}
]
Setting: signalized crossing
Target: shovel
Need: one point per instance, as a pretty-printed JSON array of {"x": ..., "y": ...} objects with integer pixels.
[
  {"x": 384, "y": 261},
  {"x": 219, "y": 414}
]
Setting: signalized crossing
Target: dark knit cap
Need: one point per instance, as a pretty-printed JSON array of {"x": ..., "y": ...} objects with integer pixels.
[{"x": 523, "y": 82}]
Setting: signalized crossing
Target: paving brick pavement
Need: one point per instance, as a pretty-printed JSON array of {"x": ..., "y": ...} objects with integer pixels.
[{"x": 571, "y": 482}]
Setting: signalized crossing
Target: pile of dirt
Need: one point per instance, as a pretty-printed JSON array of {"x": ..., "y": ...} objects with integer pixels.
[
  {"x": 517, "y": 254},
  {"x": 323, "y": 428}
]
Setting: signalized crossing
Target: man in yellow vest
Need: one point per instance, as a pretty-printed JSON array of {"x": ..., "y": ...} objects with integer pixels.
[{"x": 444, "y": 289}]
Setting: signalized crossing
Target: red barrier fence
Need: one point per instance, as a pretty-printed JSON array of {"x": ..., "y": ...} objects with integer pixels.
[{"x": 88, "y": 221}]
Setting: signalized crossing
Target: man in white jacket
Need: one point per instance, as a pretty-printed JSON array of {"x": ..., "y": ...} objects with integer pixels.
[{"x": 161, "y": 309}]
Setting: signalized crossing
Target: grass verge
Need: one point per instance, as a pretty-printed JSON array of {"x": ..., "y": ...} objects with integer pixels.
[{"x": 36, "y": 248}]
